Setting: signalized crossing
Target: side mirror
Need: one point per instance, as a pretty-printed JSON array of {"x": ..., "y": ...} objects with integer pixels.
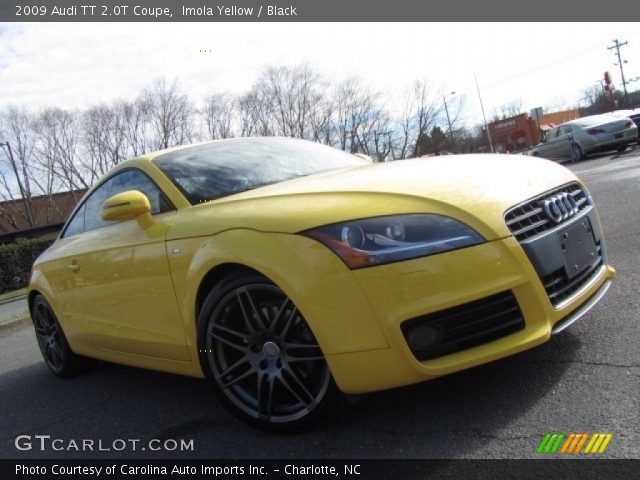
[{"x": 128, "y": 205}]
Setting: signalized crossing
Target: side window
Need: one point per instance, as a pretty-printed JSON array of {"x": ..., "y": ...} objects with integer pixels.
[
  {"x": 127, "y": 180},
  {"x": 76, "y": 225},
  {"x": 566, "y": 130}
]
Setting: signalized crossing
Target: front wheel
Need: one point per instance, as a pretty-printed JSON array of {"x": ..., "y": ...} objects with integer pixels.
[{"x": 259, "y": 353}]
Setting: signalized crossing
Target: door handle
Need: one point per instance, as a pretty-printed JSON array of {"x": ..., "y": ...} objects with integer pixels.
[{"x": 74, "y": 267}]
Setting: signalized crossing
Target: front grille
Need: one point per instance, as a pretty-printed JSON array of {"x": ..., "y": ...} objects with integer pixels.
[
  {"x": 462, "y": 327},
  {"x": 529, "y": 219},
  {"x": 559, "y": 286}
]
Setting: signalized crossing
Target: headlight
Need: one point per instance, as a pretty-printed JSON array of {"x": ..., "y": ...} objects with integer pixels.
[{"x": 374, "y": 241}]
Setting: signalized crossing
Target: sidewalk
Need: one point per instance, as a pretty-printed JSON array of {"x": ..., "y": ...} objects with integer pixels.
[{"x": 13, "y": 311}]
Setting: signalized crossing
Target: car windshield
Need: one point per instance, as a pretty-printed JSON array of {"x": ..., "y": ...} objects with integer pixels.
[{"x": 213, "y": 170}]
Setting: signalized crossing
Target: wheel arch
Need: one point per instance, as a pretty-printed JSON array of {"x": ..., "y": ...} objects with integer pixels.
[
  {"x": 214, "y": 276},
  {"x": 316, "y": 280},
  {"x": 31, "y": 297}
]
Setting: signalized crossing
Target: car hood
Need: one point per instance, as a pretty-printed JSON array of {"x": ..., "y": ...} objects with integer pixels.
[{"x": 476, "y": 189}]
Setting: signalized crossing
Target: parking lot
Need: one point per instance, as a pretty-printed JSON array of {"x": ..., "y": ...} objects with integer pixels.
[{"x": 585, "y": 380}]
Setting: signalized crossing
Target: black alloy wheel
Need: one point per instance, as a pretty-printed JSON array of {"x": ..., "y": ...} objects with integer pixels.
[
  {"x": 261, "y": 356},
  {"x": 53, "y": 344}
]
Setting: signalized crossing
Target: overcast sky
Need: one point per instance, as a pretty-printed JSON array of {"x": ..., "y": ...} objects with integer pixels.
[{"x": 76, "y": 65}]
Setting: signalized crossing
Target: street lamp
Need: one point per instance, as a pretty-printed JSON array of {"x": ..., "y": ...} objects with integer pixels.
[{"x": 27, "y": 206}]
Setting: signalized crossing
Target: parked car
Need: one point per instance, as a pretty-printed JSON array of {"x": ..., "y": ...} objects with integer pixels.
[
  {"x": 578, "y": 138},
  {"x": 289, "y": 273}
]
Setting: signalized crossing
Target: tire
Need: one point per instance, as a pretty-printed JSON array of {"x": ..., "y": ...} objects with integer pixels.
[
  {"x": 576, "y": 153},
  {"x": 261, "y": 357},
  {"x": 53, "y": 344},
  {"x": 622, "y": 148}
]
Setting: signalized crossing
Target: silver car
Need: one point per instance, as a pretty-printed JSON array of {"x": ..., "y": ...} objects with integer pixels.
[{"x": 578, "y": 138}]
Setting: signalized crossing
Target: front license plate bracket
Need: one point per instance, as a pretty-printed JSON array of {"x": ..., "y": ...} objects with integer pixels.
[{"x": 579, "y": 246}]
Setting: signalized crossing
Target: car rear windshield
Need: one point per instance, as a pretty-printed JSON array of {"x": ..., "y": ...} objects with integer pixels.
[
  {"x": 596, "y": 120},
  {"x": 214, "y": 170}
]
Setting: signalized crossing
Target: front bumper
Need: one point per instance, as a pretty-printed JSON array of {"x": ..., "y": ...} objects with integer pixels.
[{"x": 405, "y": 290}]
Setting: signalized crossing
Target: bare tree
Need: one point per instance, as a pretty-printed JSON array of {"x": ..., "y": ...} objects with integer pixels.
[
  {"x": 103, "y": 132},
  {"x": 218, "y": 115},
  {"x": 15, "y": 128},
  {"x": 136, "y": 118},
  {"x": 171, "y": 114},
  {"x": 57, "y": 151},
  {"x": 360, "y": 122},
  {"x": 506, "y": 110},
  {"x": 255, "y": 114},
  {"x": 295, "y": 98},
  {"x": 421, "y": 111}
]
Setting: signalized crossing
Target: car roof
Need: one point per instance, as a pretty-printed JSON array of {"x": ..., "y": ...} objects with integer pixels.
[{"x": 594, "y": 120}]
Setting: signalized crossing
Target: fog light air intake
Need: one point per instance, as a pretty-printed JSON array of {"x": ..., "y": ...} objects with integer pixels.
[{"x": 464, "y": 326}]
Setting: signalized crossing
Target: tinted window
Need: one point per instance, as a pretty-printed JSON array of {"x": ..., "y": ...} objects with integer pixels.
[
  {"x": 126, "y": 180},
  {"x": 214, "y": 170},
  {"x": 76, "y": 225}
]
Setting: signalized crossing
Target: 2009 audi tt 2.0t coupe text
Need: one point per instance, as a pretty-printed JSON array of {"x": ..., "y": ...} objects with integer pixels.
[{"x": 289, "y": 273}]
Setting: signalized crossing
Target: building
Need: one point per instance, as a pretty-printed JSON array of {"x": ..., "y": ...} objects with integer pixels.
[
  {"x": 522, "y": 131},
  {"x": 550, "y": 120},
  {"x": 45, "y": 209}
]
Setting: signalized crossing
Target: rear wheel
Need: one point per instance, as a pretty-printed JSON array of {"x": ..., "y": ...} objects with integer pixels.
[
  {"x": 576, "y": 153},
  {"x": 52, "y": 342},
  {"x": 622, "y": 148},
  {"x": 259, "y": 353}
]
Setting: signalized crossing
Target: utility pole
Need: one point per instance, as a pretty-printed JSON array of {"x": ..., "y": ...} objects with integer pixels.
[
  {"x": 27, "y": 205},
  {"x": 484, "y": 117},
  {"x": 444, "y": 99},
  {"x": 617, "y": 46}
]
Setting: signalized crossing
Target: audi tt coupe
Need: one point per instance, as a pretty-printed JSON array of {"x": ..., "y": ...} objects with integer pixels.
[{"x": 290, "y": 273}]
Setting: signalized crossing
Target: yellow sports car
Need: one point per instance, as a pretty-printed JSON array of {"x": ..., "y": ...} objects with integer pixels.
[{"x": 289, "y": 273}]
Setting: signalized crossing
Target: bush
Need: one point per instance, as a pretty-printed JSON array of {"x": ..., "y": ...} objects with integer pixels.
[{"x": 16, "y": 260}]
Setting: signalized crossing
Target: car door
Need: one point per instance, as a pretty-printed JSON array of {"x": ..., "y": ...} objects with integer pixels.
[
  {"x": 121, "y": 295},
  {"x": 546, "y": 147},
  {"x": 562, "y": 141}
]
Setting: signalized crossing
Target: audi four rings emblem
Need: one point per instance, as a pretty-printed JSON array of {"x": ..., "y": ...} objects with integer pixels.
[{"x": 560, "y": 207}]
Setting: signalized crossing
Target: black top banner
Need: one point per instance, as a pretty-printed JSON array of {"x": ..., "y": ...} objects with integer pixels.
[{"x": 311, "y": 11}]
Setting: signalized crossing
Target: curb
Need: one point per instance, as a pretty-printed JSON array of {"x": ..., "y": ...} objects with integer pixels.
[{"x": 14, "y": 299}]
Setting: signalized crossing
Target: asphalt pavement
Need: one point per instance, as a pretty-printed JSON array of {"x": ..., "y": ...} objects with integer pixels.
[{"x": 585, "y": 380}]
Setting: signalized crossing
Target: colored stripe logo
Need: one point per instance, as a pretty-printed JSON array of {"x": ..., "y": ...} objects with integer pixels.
[{"x": 573, "y": 443}]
